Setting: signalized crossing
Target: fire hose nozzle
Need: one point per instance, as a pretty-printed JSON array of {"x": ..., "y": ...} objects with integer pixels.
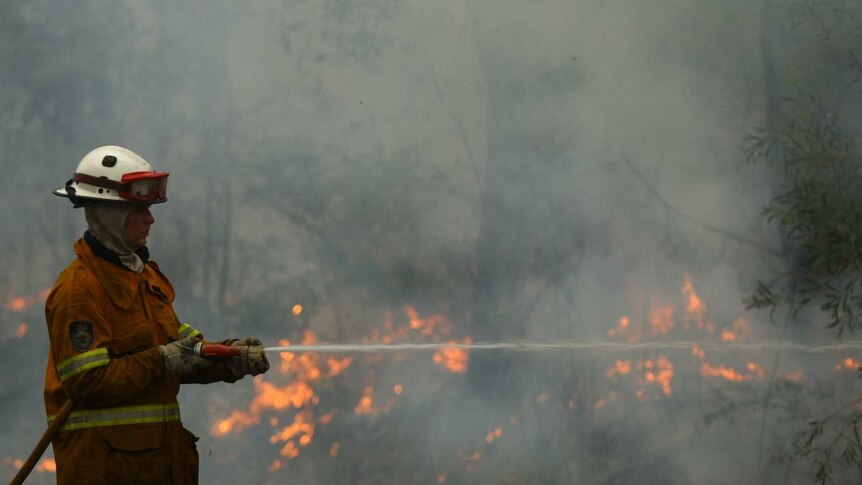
[{"x": 219, "y": 352}]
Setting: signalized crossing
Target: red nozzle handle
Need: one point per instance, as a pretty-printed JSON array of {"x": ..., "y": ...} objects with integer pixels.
[{"x": 216, "y": 351}]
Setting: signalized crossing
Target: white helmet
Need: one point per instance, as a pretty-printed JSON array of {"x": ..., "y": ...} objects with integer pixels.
[{"x": 112, "y": 173}]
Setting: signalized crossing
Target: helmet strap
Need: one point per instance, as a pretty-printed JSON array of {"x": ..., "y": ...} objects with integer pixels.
[{"x": 70, "y": 191}]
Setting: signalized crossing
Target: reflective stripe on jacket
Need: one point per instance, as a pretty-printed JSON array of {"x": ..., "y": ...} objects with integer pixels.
[{"x": 105, "y": 323}]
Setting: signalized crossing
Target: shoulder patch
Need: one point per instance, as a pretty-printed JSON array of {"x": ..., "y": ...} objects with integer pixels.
[{"x": 81, "y": 334}]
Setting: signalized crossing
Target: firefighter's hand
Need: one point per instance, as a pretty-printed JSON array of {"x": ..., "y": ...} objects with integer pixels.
[
  {"x": 180, "y": 358},
  {"x": 253, "y": 359}
]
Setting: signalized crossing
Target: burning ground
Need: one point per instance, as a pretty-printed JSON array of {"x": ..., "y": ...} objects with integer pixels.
[
  {"x": 458, "y": 171},
  {"x": 321, "y": 412}
]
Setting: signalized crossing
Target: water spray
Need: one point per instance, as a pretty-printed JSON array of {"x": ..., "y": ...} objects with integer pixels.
[{"x": 222, "y": 352}]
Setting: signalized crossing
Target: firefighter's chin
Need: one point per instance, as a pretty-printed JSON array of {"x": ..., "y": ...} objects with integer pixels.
[{"x": 140, "y": 241}]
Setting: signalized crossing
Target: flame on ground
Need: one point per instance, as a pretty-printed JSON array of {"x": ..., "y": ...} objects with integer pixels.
[
  {"x": 620, "y": 367},
  {"x": 492, "y": 435},
  {"x": 659, "y": 372},
  {"x": 366, "y": 402},
  {"x": 849, "y": 363},
  {"x": 306, "y": 370},
  {"x": 21, "y": 303},
  {"x": 300, "y": 432},
  {"x": 454, "y": 359},
  {"x": 730, "y": 374},
  {"x": 624, "y": 328},
  {"x": 16, "y": 463},
  {"x": 661, "y": 319},
  {"x": 695, "y": 310},
  {"x": 737, "y": 331},
  {"x": 795, "y": 376},
  {"x": 45, "y": 465},
  {"x": 434, "y": 325}
]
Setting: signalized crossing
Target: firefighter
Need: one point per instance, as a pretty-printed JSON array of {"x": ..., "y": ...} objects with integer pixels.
[{"x": 118, "y": 350}]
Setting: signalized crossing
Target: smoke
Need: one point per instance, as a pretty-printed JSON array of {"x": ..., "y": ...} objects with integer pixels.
[{"x": 511, "y": 171}]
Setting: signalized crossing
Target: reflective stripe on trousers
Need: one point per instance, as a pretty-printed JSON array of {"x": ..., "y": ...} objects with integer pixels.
[{"x": 148, "y": 413}]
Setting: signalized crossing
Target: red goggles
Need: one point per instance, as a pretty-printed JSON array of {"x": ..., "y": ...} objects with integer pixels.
[{"x": 145, "y": 187}]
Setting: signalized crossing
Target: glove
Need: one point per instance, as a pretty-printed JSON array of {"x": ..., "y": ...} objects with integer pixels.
[
  {"x": 180, "y": 358},
  {"x": 252, "y": 361}
]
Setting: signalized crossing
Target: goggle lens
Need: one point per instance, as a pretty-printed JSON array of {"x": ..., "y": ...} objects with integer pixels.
[
  {"x": 149, "y": 188},
  {"x": 146, "y": 187}
]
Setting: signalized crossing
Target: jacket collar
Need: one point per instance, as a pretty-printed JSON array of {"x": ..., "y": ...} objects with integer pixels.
[
  {"x": 103, "y": 252},
  {"x": 119, "y": 283}
]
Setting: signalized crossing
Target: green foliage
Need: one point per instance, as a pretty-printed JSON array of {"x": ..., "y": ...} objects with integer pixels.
[
  {"x": 812, "y": 140},
  {"x": 833, "y": 443},
  {"x": 818, "y": 205}
]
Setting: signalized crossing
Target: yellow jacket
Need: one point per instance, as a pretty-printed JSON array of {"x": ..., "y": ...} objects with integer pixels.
[{"x": 105, "y": 323}]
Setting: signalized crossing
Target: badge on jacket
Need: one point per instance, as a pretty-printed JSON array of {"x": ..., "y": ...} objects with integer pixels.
[{"x": 81, "y": 333}]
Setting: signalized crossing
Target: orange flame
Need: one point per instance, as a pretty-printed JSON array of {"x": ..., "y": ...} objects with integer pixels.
[
  {"x": 660, "y": 371},
  {"x": 297, "y": 309},
  {"x": 21, "y": 303},
  {"x": 730, "y": 374},
  {"x": 300, "y": 431},
  {"x": 661, "y": 320},
  {"x": 795, "y": 376},
  {"x": 433, "y": 325},
  {"x": 626, "y": 329},
  {"x": 848, "y": 363},
  {"x": 337, "y": 366},
  {"x": 18, "y": 304},
  {"x": 269, "y": 396},
  {"x": 22, "y": 330},
  {"x": 620, "y": 367},
  {"x": 47, "y": 465},
  {"x": 305, "y": 370},
  {"x": 492, "y": 435},
  {"x": 17, "y": 463},
  {"x": 661, "y": 376},
  {"x": 739, "y": 330},
  {"x": 454, "y": 359},
  {"x": 755, "y": 370},
  {"x": 299, "y": 392},
  {"x": 366, "y": 402},
  {"x": 695, "y": 308}
]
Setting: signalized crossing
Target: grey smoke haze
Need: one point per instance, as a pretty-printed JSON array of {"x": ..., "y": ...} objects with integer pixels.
[{"x": 529, "y": 169}]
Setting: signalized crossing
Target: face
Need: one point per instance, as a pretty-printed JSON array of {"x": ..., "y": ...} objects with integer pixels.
[{"x": 138, "y": 224}]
